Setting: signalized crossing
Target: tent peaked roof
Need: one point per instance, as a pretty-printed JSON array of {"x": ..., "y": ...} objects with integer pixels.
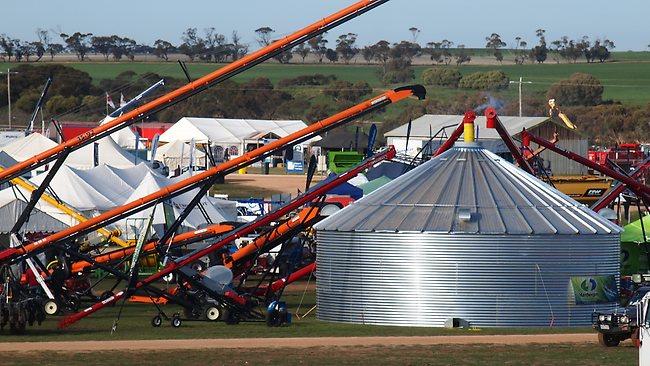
[
  {"x": 28, "y": 146},
  {"x": 75, "y": 191},
  {"x": 132, "y": 176},
  {"x": 226, "y": 131},
  {"x": 124, "y": 137},
  {"x": 174, "y": 149},
  {"x": 110, "y": 153}
]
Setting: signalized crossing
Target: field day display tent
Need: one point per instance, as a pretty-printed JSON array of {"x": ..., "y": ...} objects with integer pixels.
[
  {"x": 108, "y": 152},
  {"x": 217, "y": 210},
  {"x": 177, "y": 153},
  {"x": 104, "y": 187},
  {"x": 125, "y": 137},
  {"x": 41, "y": 220},
  {"x": 235, "y": 135},
  {"x": 26, "y": 147}
]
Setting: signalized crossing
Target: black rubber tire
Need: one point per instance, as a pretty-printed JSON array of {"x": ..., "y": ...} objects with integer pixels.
[
  {"x": 608, "y": 340},
  {"x": 176, "y": 321},
  {"x": 156, "y": 321},
  {"x": 230, "y": 317}
]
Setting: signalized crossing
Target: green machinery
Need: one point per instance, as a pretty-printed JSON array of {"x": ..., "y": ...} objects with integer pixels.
[{"x": 341, "y": 161}]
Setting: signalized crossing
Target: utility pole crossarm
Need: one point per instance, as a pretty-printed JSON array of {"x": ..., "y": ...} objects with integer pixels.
[{"x": 520, "y": 82}]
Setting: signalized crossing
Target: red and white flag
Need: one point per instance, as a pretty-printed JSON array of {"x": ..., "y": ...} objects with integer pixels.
[
  {"x": 109, "y": 101},
  {"x": 122, "y": 100}
]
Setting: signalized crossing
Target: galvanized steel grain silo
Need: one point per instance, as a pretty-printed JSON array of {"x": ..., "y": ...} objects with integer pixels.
[{"x": 466, "y": 235}]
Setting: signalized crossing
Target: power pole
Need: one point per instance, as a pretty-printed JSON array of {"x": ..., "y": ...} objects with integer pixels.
[
  {"x": 9, "y": 72},
  {"x": 520, "y": 82}
]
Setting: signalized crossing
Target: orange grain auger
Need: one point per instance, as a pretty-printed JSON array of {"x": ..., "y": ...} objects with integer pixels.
[
  {"x": 208, "y": 176},
  {"x": 151, "y": 247},
  {"x": 192, "y": 88},
  {"x": 373, "y": 104}
]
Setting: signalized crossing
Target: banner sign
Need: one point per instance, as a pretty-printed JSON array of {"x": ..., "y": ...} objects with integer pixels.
[
  {"x": 296, "y": 165},
  {"x": 594, "y": 289}
]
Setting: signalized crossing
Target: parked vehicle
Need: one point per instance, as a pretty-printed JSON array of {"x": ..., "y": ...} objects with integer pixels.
[{"x": 616, "y": 327}]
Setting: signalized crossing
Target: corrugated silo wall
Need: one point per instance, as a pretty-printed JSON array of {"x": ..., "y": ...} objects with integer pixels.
[
  {"x": 569, "y": 140},
  {"x": 488, "y": 280}
]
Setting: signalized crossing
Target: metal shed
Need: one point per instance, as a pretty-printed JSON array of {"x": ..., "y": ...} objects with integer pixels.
[
  {"x": 465, "y": 235},
  {"x": 429, "y": 124}
]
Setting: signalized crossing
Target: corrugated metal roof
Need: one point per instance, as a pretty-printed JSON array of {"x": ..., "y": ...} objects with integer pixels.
[
  {"x": 430, "y": 124},
  {"x": 501, "y": 199}
]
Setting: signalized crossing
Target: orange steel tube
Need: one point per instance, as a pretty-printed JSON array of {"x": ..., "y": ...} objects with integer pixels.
[
  {"x": 185, "y": 90},
  {"x": 244, "y": 230},
  {"x": 180, "y": 239},
  {"x": 388, "y": 97},
  {"x": 294, "y": 276},
  {"x": 304, "y": 217}
]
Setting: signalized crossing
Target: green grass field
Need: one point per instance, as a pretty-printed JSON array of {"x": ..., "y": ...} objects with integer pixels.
[
  {"x": 135, "y": 324},
  {"x": 628, "y": 81}
]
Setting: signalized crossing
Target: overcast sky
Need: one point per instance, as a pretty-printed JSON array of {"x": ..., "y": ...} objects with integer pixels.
[{"x": 461, "y": 21}]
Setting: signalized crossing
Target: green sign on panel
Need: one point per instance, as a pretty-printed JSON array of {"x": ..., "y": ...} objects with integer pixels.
[{"x": 594, "y": 289}]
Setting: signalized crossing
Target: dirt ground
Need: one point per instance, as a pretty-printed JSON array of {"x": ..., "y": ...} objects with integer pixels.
[
  {"x": 282, "y": 183},
  {"x": 170, "y": 344}
]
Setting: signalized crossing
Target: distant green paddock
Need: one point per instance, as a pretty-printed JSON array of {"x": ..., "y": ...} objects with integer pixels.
[{"x": 628, "y": 82}]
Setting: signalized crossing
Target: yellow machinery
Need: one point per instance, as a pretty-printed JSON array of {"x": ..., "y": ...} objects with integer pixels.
[
  {"x": 585, "y": 189},
  {"x": 555, "y": 111}
]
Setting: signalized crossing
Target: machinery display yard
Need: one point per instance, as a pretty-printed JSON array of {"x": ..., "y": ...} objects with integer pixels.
[{"x": 455, "y": 255}]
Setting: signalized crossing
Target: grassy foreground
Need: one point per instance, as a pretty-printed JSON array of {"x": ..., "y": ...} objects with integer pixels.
[
  {"x": 408, "y": 355},
  {"x": 135, "y": 324}
]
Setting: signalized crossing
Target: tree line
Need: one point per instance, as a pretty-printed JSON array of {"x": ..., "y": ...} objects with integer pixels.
[
  {"x": 209, "y": 45},
  {"x": 76, "y": 96}
]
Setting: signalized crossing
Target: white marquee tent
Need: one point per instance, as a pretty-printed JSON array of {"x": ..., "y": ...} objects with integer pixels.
[
  {"x": 232, "y": 134},
  {"x": 102, "y": 188},
  {"x": 26, "y": 147},
  {"x": 124, "y": 137},
  {"x": 109, "y": 152},
  {"x": 218, "y": 210},
  {"x": 170, "y": 155},
  {"x": 42, "y": 219}
]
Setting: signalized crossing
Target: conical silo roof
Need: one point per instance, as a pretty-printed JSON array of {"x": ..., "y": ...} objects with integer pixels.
[{"x": 468, "y": 190}]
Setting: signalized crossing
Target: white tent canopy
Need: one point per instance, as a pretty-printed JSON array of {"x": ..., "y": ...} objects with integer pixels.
[
  {"x": 170, "y": 155},
  {"x": 83, "y": 158},
  {"x": 216, "y": 209},
  {"x": 26, "y": 147},
  {"x": 229, "y": 133},
  {"x": 102, "y": 188},
  {"x": 110, "y": 153},
  {"x": 124, "y": 137},
  {"x": 88, "y": 190},
  {"x": 44, "y": 217}
]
